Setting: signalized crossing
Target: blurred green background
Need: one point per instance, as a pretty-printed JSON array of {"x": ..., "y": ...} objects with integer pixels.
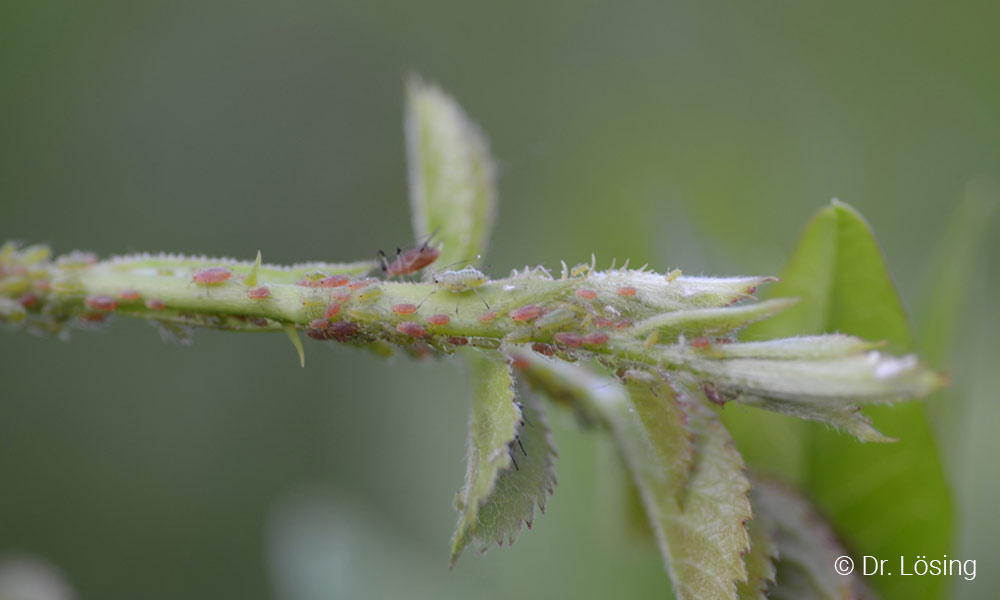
[{"x": 681, "y": 134}]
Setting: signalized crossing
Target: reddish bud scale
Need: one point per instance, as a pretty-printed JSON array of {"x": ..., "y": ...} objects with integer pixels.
[
  {"x": 333, "y": 281},
  {"x": 414, "y": 330},
  {"x": 569, "y": 338},
  {"x": 546, "y": 349},
  {"x": 487, "y": 317},
  {"x": 626, "y": 291},
  {"x": 128, "y": 295},
  {"x": 595, "y": 339},
  {"x": 526, "y": 313},
  {"x": 105, "y": 303},
  {"x": 586, "y": 294},
  {"x": 154, "y": 304},
  {"x": 701, "y": 343},
  {"x": 439, "y": 319},
  {"x": 27, "y": 300},
  {"x": 332, "y": 311},
  {"x": 212, "y": 276},
  {"x": 404, "y": 309},
  {"x": 259, "y": 293}
]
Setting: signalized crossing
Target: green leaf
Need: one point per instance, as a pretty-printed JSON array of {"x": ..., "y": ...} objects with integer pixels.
[
  {"x": 452, "y": 179},
  {"x": 886, "y": 500},
  {"x": 806, "y": 548},
  {"x": 518, "y": 490},
  {"x": 710, "y": 322},
  {"x": 664, "y": 426},
  {"x": 493, "y": 502},
  {"x": 696, "y": 503},
  {"x": 760, "y": 560}
]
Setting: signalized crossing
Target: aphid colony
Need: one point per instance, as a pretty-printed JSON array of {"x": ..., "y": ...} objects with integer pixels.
[{"x": 347, "y": 306}]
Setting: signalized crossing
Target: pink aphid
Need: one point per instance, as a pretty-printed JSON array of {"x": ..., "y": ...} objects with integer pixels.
[
  {"x": 404, "y": 309},
  {"x": 546, "y": 349},
  {"x": 27, "y": 300},
  {"x": 341, "y": 330},
  {"x": 411, "y": 260},
  {"x": 154, "y": 304},
  {"x": 332, "y": 311},
  {"x": 458, "y": 341},
  {"x": 528, "y": 312},
  {"x": 105, "y": 303},
  {"x": 212, "y": 276},
  {"x": 586, "y": 294},
  {"x": 569, "y": 338},
  {"x": 318, "y": 324},
  {"x": 595, "y": 339},
  {"x": 259, "y": 293},
  {"x": 414, "y": 330},
  {"x": 604, "y": 322},
  {"x": 333, "y": 281},
  {"x": 341, "y": 295},
  {"x": 486, "y": 317},
  {"x": 361, "y": 283},
  {"x": 439, "y": 319},
  {"x": 623, "y": 324},
  {"x": 128, "y": 295},
  {"x": 701, "y": 343},
  {"x": 626, "y": 291}
]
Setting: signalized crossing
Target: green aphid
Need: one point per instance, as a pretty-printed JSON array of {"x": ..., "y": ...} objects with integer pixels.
[{"x": 462, "y": 280}]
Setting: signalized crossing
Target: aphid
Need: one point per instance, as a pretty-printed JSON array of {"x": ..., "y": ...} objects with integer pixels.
[
  {"x": 713, "y": 394},
  {"x": 341, "y": 330},
  {"x": 486, "y": 317},
  {"x": 528, "y": 312},
  {"x": 27, "y": 300},
  {"x": 361, "y": 283},
  {"x": 569, "y": 338},
  {"x": 414, "y": 330},
  {"x": 105, "y": 303},
  {"x": 333, "y": 281},
  {"x": 312, "y": 279},
  {"x": 404, "y": 309},
  {"x": 332, "y": 311},
  {"x": 439, "y": 319},
  {"x": 701, "y": 343},
  {"x": 458, "y": 341},
  {"x": 626, "y": 291},
  {"x": 595, "y": 339},
  {"x": 212, "y": 276},
  {"x": 154, "y": 304},
  {"x": 623, "y": 324},
  {"x": 318, "y": 324},
  {"x": 128, "y": 295},
  {"x": 259, "y": 293},
  {"x": 409, "y": 261},
  {"x": 601, "y": 322},
  {"x": 369, "y": 293},
  {"x": 259, "y": 321},
  {"x": 462, "y": 280},
  {"x": 546, "y": 349},
  {"x": 586, "y": 294}
]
